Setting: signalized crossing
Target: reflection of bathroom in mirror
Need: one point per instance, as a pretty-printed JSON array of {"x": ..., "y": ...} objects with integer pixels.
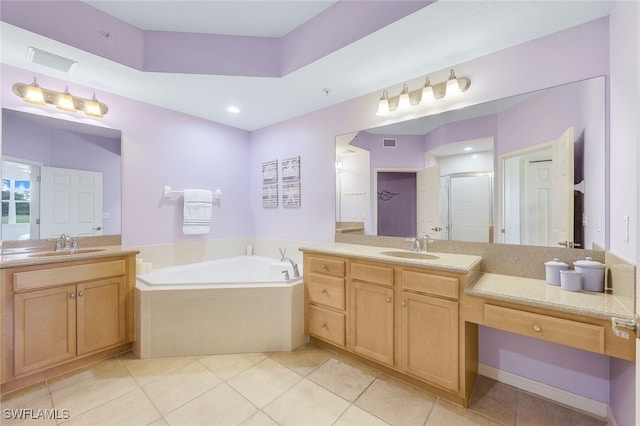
[
  {"x": 58, "y": 177},
  {"x": 468, "y": 174}
]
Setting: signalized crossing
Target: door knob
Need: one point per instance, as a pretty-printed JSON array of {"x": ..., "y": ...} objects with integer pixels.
[
  {"x": 97, "y": 228},
  {"x": 436, "y": 229}
]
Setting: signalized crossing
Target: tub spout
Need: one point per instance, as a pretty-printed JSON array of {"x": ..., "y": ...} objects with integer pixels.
[{"x": 294, "y": 266}]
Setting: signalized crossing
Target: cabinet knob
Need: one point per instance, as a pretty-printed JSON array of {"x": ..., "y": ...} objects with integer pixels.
[
  {"x": 323, "y": 291},
  {"x": 80, "y": 293},
  {"x": 403, "y": 303},
  {"x": 72, "y": 296},
  {"x": 324, "y": 267},
  {"x": 388, "y": 300},
  {"x": 537, "y": 328},
  {"x": 323, "y": 325}
]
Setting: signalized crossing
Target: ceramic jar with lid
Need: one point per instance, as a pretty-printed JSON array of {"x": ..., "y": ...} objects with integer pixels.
[
  {"x": 553, "y": 268},
  {"x": 592, "y": 274}
]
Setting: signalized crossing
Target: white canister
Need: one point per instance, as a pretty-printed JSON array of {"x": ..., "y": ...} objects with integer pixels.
[
  {"x": 592, "y": 274},
  {"x": 570, "y": 280},
  {"x": 553, "y": 268}
]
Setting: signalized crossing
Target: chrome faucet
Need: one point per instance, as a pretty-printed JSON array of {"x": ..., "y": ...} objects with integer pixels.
[
  {"x": 66, "y": 243},
  {"x": 426, "y": 238},
  {"x": 294, "y": 265},
  {"x": 420, "y": 245}
]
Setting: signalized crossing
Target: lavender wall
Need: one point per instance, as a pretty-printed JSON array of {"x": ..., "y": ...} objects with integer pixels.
[
  {"x": 52, "y": 147},
  {"x": 162, "y": 147}
]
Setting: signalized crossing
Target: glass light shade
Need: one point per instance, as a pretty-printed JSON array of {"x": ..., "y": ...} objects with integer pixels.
[
  {"x": 383, "y": 105},
  {"x": 427, "y": 94},
  {"x": 404, "y": 101},
  {"x": 65, "y": 101},
  {"x": 92, "y": 108},
  {"x": 453, "y": 87},
  {"x": 34, "y": 94}
]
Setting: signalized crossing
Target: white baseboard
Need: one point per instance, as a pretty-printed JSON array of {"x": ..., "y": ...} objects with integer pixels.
[{"x": 563, "y": 397}]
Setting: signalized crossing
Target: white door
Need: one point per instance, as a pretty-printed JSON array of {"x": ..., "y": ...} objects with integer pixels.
[
  {"x": 539, "y": 204},
  {"x": 428, "y": 188},
  {"x": 562, "y": 194},
  {"x": 70, "y": 202},
  {"x": 470, "y": 213}
]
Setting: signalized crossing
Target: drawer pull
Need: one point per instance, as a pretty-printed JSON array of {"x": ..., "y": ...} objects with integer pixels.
[
  {"x": 325, "y": 267},
  {"x": 323, "y": 291},
  {"x": 537, "y": 328},
  {"x": 81, "y": 293},
  {"x": 403, "y": 303},
  {"x": 323, "y": 325},
  {"x": 388, "y": 300}
]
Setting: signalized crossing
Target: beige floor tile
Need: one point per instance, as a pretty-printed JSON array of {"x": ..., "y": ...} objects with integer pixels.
[
  {"x": 130, "y": 409},
  {"x": 181, "y": 386},
  {"x": 495, "y": 400},
  {"x": 221, "y": 405},
  {"x": 148, "y": 369},
  {"x": 88, "y": 388},
  {"x": 356, "y": 416},
  {"x": 110, "y": 368},
  {"x": 303, "y": 360},
  {"x": 446, "y": 413},
  {"x": 160, "y": 422},
  {"x": 38, "y": 411},
  {"x": 264, "y": 382},
  {"x": 347, "y": 381},
  {"x": 537, "y": 411},
  {"x": 228, "y": 366},
  {"x": 24, "y": 395},
  {"x": 260, "y": 419},
  {"x": 396, "y": 402},
  {"x": 306, "y": 403}
]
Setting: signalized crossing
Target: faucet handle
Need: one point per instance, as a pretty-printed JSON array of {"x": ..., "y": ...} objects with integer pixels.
[{"x": 283, "y": 252}]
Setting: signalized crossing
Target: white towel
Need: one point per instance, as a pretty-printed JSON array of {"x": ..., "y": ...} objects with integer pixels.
[{"x": 197, "y": 211}]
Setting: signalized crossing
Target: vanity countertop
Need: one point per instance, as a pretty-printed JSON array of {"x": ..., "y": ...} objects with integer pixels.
[
  {"x": 25, "y": 257},
  {"x": 463, "y": 263},
  {"x": 537, "y": 293}
]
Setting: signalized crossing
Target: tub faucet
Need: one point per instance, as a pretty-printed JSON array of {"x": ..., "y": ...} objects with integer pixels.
[{"x": 294, "y": 265}]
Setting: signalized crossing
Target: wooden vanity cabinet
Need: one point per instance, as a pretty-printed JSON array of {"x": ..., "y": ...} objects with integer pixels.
[
  {"x": 403, "y": 320},
  {"x": 56, "y": 315}
]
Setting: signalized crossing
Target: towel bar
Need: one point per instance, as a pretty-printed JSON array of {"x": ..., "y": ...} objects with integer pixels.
[{"x": 167, "y": 191}]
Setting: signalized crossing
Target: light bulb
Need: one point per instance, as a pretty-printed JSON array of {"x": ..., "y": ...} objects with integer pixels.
[
  {"x": 34, "y": 94},
  {"x": 383, "y": 104},
  {"x": 453, "y": 87},
  {"x": 404, "y": 102},
  {"x": 65, "y": 101},
  {"x": 427, "y": 94},
  {"x": 92, "y": 108}
]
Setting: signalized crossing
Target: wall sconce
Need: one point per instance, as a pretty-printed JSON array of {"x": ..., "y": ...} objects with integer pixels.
[
  {"x": 424, "y": 96},
  {"x": 64, "y": 101}
]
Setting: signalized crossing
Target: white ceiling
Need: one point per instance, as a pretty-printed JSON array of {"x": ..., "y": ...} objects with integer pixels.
[{"x": 434, "y": 38}]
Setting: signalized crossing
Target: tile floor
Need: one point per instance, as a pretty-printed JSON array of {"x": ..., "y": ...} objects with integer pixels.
[{"x": 309, "y": 386}]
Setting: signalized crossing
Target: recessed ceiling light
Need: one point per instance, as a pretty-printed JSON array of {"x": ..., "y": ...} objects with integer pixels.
[
  {"x": 233, "y": 109},
  {"x": 468, "y": 148}
]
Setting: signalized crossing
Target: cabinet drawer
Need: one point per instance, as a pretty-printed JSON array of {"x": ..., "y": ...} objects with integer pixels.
[
  {"x": 373, "y": 274},
  {"x": 430, "y": 283},
  {"x": 48, "y": 277},
  {"x": 326, "y": 290},
  {"x": 326, "y": 266},
  {"x": 566, "y": 332},
  {"x": 326, "y": 325}
]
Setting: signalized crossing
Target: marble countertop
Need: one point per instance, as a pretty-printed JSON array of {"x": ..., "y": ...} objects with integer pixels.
[
  {"x": 442, "y": 261},
  {"x": 537, "y": 293},
  {"x": 11, "y": 258}
]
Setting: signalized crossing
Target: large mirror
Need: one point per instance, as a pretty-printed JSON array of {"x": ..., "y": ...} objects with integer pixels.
[
  {"x": 58, "y": 177},
  {"x": 493, "y": 172}
]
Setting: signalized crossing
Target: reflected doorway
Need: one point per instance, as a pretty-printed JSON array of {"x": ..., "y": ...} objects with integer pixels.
[{"x": 396, "y": 202}]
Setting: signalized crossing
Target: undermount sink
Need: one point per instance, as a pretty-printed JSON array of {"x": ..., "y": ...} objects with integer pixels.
[
  {"x": 410, "y": 255},
  {"x": 66, "y": 252}
]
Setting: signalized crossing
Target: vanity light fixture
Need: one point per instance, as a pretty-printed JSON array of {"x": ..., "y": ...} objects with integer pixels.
[
  {"x": 65, "y": 101},
  {"x": 423, "y": 96}
]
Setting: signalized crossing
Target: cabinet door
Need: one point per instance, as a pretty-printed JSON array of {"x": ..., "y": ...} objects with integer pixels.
[
  {"x": 429, "y": 339},
  {"x": 44, "y": 328},
  {"x": 372, "y": 322},
  {"x": 101, "y": 314}
]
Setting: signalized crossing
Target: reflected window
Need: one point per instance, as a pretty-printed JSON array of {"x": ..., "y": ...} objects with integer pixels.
[{"x": 16, "y": 201}]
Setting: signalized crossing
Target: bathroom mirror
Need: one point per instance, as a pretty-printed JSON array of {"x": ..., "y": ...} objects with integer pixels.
[
  {"x": 59, "y": 177},
  {"x": 474, "y": 151}
]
